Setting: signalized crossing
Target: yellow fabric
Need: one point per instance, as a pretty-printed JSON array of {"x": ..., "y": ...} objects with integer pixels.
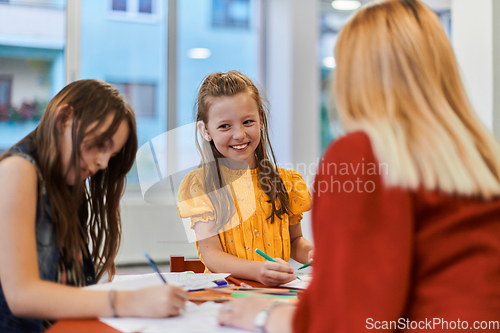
[{"x": 249, "y": 229}]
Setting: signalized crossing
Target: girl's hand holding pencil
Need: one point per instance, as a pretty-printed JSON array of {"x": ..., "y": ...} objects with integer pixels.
[
  {"x": 157, "y": 301},
  {"x": 152, "y": 302},
  {"x": 274, "y": 272}
]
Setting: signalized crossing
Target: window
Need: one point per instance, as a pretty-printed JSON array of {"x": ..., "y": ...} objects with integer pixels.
[
  {"x": 140, "y": 96},
  {"x": 145, "y": 6},
  {"x": 32, "y": 64},
  {"x": 124, "y": 42},
  {"x": 135, "y": 10},
  {"x": 130, "y": 55},
  {"x": 231, "y": 14},
  {"x": 120, "y": 5}
]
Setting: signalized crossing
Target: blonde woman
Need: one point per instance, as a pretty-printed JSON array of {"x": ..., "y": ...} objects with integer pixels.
[{"x": 406, "y": 209}]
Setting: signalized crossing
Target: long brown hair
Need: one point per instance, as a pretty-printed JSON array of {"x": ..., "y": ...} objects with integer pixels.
[
  {"x": 230, "y": 84},
  {"x": 397, "y": 79},
  {"x": 86, "y": 212}
]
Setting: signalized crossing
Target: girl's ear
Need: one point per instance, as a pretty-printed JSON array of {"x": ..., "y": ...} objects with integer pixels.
[
  {"x": 64, "y": 116},
  {"x": 202, "y": 128}
]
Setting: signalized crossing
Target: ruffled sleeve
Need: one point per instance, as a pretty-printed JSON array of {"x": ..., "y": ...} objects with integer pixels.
[
  {"x": 193, "y": 202},
  {"x": 300, "y": 198}
]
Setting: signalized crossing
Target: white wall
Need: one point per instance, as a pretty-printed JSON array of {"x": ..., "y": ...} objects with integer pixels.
[
  {"x": 476, "y": 41},
  {"x": 292, "y": 85}
]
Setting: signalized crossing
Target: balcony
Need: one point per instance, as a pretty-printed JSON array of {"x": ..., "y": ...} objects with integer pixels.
[{"x": 33, "y": 24}]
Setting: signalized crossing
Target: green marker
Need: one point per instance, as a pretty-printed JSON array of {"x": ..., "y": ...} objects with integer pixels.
[
  {"x": 264, "y": 255},
  {"x": 264, "y": 295},
  {"x": 304, "y": 266}
]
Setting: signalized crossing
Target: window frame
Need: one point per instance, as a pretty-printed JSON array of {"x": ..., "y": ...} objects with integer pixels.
[
  {"x": 132, "y": 12},
  {"x": 226, "y": 22},
  {"x": 8, "y": 79}
]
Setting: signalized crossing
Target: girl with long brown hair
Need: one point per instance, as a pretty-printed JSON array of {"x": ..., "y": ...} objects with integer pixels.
[
  {"x": 238, "y": 200},
  {"x": 417, "y": 244},
  {"x": 60, "y": 190}
]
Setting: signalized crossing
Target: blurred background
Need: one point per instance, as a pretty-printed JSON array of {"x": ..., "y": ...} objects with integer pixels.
[{"x": 157, "y": 52}]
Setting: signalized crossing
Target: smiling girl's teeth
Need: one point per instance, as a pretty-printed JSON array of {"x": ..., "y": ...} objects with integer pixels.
[{"x": 240, "y": 147}]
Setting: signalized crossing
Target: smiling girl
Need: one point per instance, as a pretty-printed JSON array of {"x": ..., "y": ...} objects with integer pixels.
[
  {"x": 238, "y": 200},
  {"x": 60, "y": 189}
]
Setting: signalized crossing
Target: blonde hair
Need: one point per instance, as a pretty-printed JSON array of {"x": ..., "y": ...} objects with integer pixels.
[{"x": 397, "y": 80}]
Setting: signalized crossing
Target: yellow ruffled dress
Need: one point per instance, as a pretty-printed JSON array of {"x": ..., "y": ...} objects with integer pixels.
[{"x": 250, "y": 228}]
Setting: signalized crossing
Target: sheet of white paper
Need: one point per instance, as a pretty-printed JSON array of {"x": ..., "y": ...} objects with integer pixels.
[
  {"x": 195, "y": 319},
  {"x": 303, "y": 283},
  {"x": 137, "y": 281}
]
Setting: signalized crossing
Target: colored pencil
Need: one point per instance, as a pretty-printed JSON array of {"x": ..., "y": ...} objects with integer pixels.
[
  {"x": 238, "y": 282},
  {"x": 304, "y": 266},
  {"x": 154, "y": 266}
]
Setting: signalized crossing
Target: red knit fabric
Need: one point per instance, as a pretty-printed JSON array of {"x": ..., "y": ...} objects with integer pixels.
[{"x": 395, "y": 255}]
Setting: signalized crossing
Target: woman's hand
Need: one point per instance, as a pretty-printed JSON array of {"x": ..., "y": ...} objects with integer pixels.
[
  {"x": 310, "y": 256},
  {"x": 273, "y": 274},
  {"x": 153, "y": 302},
  {"x": 241, "y": 312}
]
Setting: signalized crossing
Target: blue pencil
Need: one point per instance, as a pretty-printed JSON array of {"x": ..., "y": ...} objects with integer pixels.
[{"x": 154, "y": 266}]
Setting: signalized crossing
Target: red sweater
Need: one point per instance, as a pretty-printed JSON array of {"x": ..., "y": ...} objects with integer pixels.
[{"x": 389, "y": 254}]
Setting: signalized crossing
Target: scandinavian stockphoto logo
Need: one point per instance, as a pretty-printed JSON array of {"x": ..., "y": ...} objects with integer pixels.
[
  {"x": 164, "y": 161},
  {"x": 358, "y": 173},
  {"x": 341, "y": 177}
]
